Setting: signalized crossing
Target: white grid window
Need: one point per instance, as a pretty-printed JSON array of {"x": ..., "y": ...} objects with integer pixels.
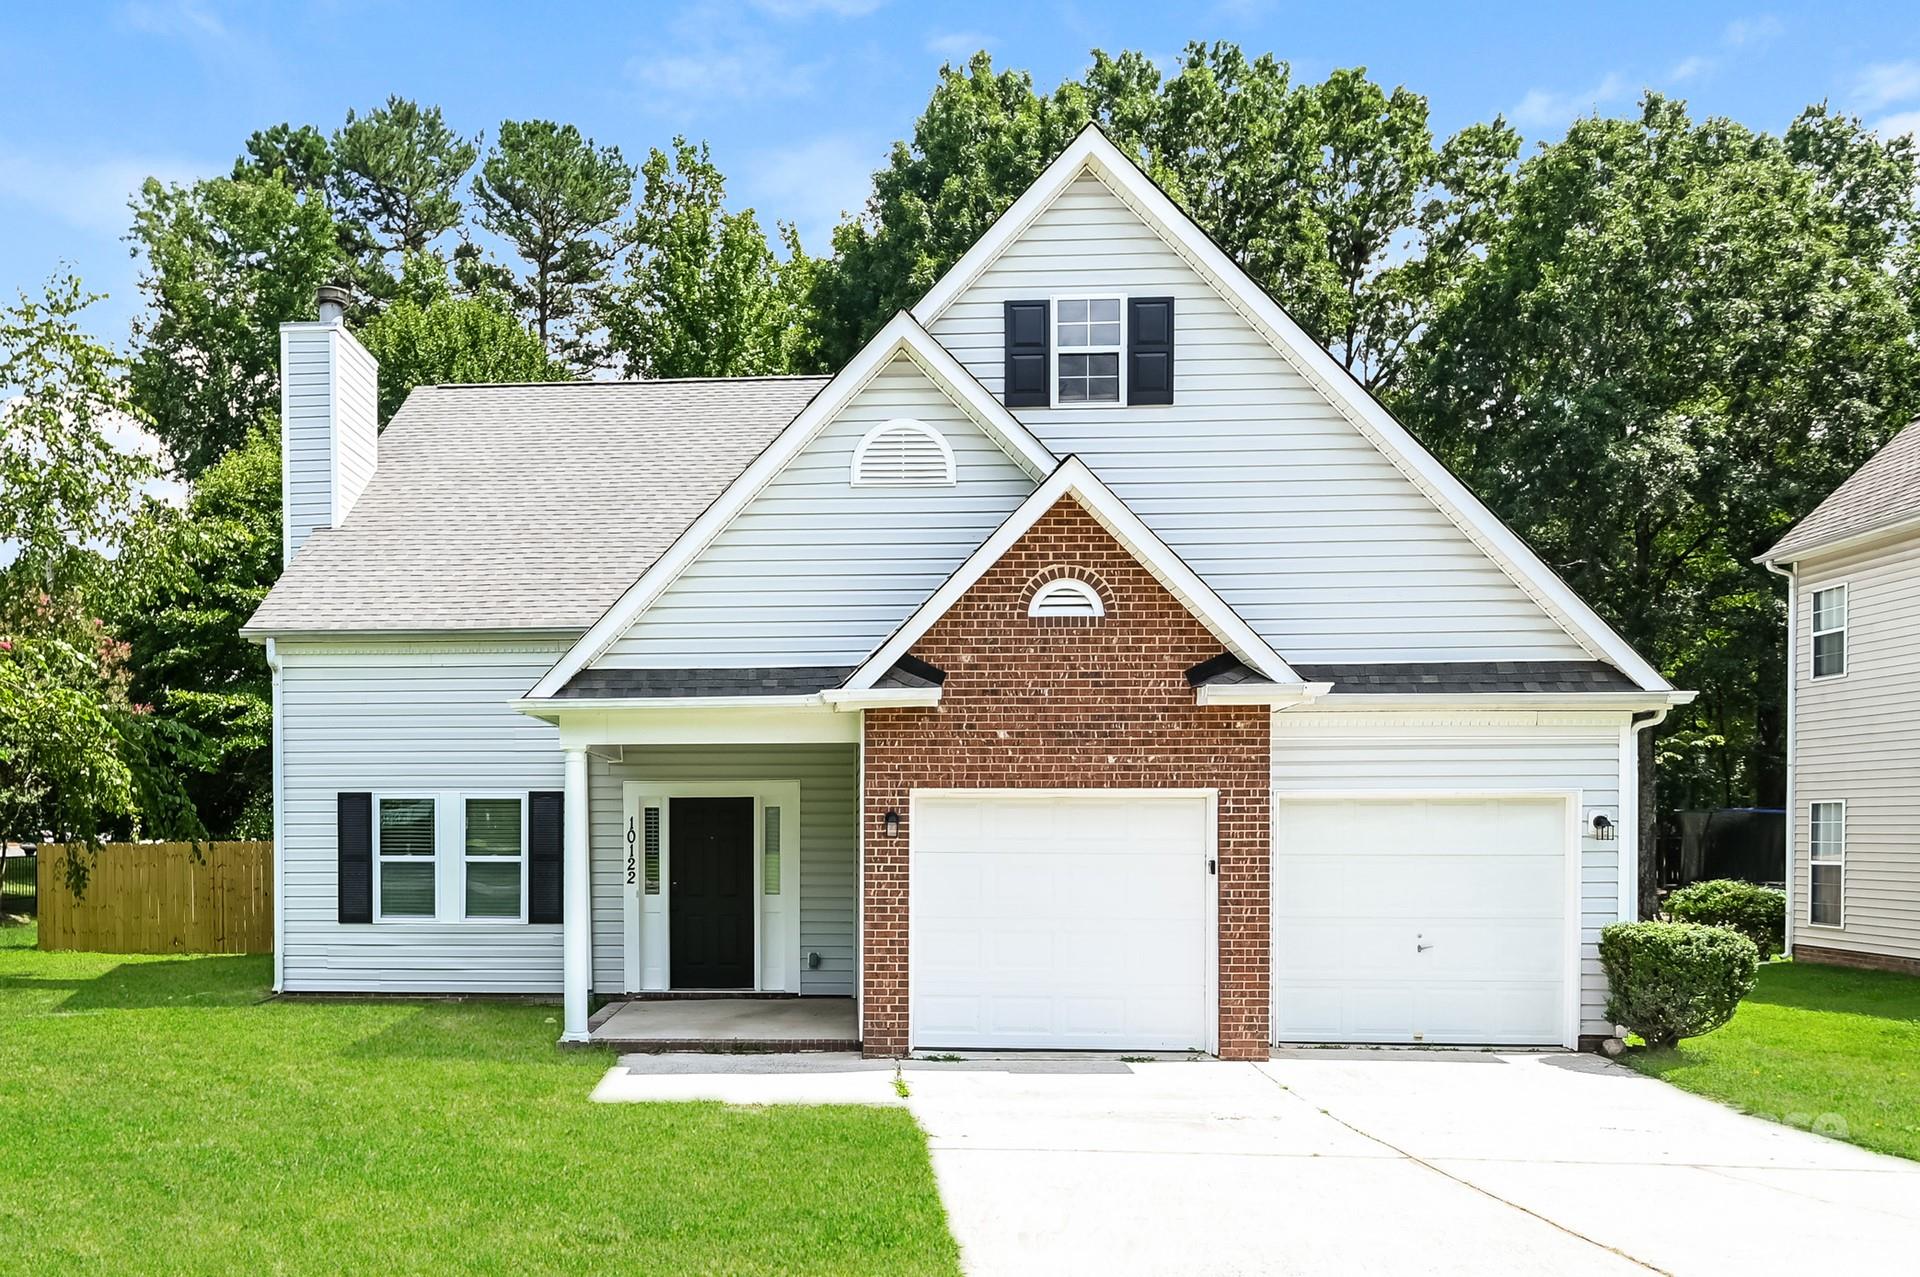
[
  {"x": 494, "y": 857},
  {"x": 403, "y": 850},
  {"x": 1830, "y": 632},
  {"x": 770, "y": 850},
  {"x": 1827, "y": 855},
  {"x": 1087, "y": 344}
]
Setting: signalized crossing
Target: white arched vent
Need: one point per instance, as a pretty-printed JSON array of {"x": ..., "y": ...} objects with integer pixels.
[
  {"x": 902, "y": 452},
  {"x": 1067, "y": 597}
]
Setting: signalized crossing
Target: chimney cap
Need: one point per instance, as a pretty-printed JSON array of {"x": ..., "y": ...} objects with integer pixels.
[{"x": 330, "y": 300}]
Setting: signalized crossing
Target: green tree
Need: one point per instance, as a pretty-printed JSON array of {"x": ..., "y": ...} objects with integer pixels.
[
  {"x": 66, "y": 486},
  {"x": 702, "y": 295},
  {"x": 76, "y": 756},
  {"x": 192, "y": 578},
  {"x": 982, "y": 140},
  {"x": 450, "y": 340},
  {"x": 1679, "y": 336},
  {"x": 396, "y": 171},
  {"x": 554, "y": 195},
  {"x": 225, "y": 262}
]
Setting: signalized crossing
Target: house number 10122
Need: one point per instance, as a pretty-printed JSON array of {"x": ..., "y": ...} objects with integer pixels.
[{"x": 633, "y": 865}]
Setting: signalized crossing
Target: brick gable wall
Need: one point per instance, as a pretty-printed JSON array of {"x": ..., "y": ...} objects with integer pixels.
[{"x": 1100, "y": 704}]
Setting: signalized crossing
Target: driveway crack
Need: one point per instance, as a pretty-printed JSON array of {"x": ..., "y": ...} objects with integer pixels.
[{"x": 1464, "y": 1183}]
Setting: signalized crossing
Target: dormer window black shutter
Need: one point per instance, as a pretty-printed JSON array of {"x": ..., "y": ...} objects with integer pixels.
[
  {"x": 1027, "y": 342},
  {"x": 546, "y": 832},
  {"x": 353, "y": 835},
  {"x": 1150, "y": 350}
]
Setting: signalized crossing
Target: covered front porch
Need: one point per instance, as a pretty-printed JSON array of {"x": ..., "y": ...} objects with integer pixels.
[
  {"x": 710, "y": 876},
  {"x": 727, "y": 1024}
]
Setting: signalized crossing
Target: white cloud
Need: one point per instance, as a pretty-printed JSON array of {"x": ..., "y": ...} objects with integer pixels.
[
  {"x": 90, "y": 194},
  {"x": 813, "y": 184},
  {"x": 1543, "y": 108},
  {"x": 954, "y": 45},
  {"x": 195, "y": 25},
  {"x": 710, "y": 54},
  {"x": 1885, "y": 83},
  {"x": 1900, "y": 124},
  {"x": 811, "y": 8},
  {"x": 1755, "y": 30},
  {"x": 1690, "y": 68}
]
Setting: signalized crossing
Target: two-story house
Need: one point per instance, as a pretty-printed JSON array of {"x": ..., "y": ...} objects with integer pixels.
[
  {"x": 1090, "y": 663},
  {"x": 1853, "y": 717}
]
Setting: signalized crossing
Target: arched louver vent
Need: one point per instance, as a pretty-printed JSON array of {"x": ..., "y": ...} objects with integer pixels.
[
  {"x": 1067, "y": 597},
  {"x": 903, "y": 453}
]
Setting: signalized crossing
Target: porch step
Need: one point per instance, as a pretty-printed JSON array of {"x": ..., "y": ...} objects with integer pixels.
[{"x": 723, "y": 1046}]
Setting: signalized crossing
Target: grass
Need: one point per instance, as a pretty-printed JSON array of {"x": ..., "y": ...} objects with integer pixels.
[
  {"x": 167, "y": 1115},
  {"x": 1826, "y": 1048}
]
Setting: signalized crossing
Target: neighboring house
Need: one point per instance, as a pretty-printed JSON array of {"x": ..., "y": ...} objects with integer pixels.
[
  {"x": 1091, "y": 663},
  {"x": 1853, "y": 717}
]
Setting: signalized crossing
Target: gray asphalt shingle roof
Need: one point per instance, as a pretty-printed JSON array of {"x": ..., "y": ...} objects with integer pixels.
[
  {"x": 1884, "y": 491},
  {"x": 526, "y": 506},
  {"x": 1447, "y": 678}
]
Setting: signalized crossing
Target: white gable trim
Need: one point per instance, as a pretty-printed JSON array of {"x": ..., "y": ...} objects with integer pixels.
[
  {"x": 1075, "y": 480},
  {"x": 902, "y": 335},
  {"x": 1092, "y": 152}
]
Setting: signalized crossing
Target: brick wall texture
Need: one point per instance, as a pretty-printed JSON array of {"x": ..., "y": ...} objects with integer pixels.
[{"x": 1102, "y": 704}]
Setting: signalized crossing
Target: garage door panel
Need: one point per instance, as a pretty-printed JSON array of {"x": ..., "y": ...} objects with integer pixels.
[
  {"x": 1429, "y": 920},
  {"x": 1059, "y": 921}
]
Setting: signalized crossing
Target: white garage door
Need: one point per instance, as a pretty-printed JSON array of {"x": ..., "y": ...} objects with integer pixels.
[
  {"x": 1076, "y": 921},
  {"x": 1420, "y": 921}
]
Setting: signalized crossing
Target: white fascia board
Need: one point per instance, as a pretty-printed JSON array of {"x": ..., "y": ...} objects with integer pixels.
[
  {"x": 902, "y": 334},
  {"x": 1092, "y": 150},
  {"x": 552, "y": 709},
  {"x": 881, "y": 698},
  {"x": 1280, "y": 694},
  {"x": 1621, "y": 701},
  {"x": 1074, "y": 479},
  {"x": 1832, "y": 545}
]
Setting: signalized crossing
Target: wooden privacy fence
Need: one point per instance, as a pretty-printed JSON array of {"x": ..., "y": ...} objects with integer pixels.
[{"x": 159, "y": 897}]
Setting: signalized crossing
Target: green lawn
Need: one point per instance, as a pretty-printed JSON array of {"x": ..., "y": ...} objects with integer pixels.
[
  {"x": 166, "y": 1115},
  {"x": 1815, "y": 1046}
]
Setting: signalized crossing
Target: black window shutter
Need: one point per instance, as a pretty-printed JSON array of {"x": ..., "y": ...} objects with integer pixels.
[
  {"x": 546, "y": 833},
  {"x": 1149, "y": 350},
  {"x": 1027, "y": 341},
  {"x": 353, "y": 833}
]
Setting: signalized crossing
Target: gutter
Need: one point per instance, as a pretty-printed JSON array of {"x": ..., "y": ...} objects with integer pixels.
[
  {"x": 838, "y": 699},
  {"x": 1278, "y": 695},
  {"x": 1885, "y": 531},
  {"x": 1659, "y": 702}
]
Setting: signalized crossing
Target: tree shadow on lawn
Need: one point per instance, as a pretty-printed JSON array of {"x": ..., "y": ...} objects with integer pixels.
[
  {"x": 162, "y": 983},
  {"x": 1806, "y": 986}
]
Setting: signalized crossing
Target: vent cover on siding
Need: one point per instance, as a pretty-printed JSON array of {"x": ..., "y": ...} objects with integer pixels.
[
  {"x": 902, "y": 453},
  {"x": 1067, "y": 597}
]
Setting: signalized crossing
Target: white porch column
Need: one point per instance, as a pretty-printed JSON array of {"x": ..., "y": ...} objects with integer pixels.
[{"x": 576, "y": 927}]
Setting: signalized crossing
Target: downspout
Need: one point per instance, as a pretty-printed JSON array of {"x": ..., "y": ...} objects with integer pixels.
[
  {"x": 279, "y": 827},
  {"x": 1793, "y": 682},
  {"x": 1640, "y": 723}
]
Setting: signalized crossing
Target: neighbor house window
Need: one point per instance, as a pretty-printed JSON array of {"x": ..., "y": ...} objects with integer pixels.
[
  {"x": 1827, "y": 852},
  {"x": 494, "y": 854},
  {"x": 1088, "y": 346},
  {"x": 1830, "y": 631},
  {"x": 403, "y": 846}
]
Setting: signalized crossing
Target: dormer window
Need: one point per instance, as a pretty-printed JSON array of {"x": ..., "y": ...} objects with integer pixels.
[
  {"x": 903, "y": 453},
  {"x": 1088, "y": 345}
]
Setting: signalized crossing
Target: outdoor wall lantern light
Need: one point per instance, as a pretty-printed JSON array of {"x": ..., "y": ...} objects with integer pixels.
[
  {"x": 893, "y": 824},
  {"x": 1604, "y": 830}
]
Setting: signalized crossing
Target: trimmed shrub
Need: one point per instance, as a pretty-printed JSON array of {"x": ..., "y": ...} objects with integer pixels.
[
  {"x": 1758, "y": 913},
  {"x": 1673, "y": 980}
]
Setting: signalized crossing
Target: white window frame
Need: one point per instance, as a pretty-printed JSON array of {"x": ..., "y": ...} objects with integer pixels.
[
  {"x": 1054, "y": 350},
  {"x": 1815, "y": 633},
  {"x": 380, "y": 913},
  {"x": 866, "y": 443},
  {"x": 1839, "y": 860},
  {"x": 1066, "y": 585},
  {"x": 460, "y": 850}
]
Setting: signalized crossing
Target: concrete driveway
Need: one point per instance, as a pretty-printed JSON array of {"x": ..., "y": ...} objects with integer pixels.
[{"x": 1354, "y": 1162}]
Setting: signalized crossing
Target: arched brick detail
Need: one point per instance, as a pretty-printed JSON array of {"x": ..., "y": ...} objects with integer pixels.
[{"x": 1067, "y": 571}]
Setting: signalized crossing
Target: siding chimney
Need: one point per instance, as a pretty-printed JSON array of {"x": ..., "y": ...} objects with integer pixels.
[{"x": 329, "y": 420}]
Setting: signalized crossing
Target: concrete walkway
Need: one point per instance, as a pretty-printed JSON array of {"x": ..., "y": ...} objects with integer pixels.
[{"x": 1352, "y": 1162}]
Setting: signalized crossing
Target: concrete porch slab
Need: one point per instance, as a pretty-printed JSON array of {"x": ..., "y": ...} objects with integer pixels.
[{"x": 728, "y": 1024}]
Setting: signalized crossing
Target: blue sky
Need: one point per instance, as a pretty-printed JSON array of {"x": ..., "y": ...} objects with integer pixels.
[{"x": 800, "y": 98}]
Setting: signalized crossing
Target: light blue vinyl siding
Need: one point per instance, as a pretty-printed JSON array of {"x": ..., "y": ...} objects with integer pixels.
[
  {"x": 1252, "y": 476},
  {"x": 818, "y": 572}
]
